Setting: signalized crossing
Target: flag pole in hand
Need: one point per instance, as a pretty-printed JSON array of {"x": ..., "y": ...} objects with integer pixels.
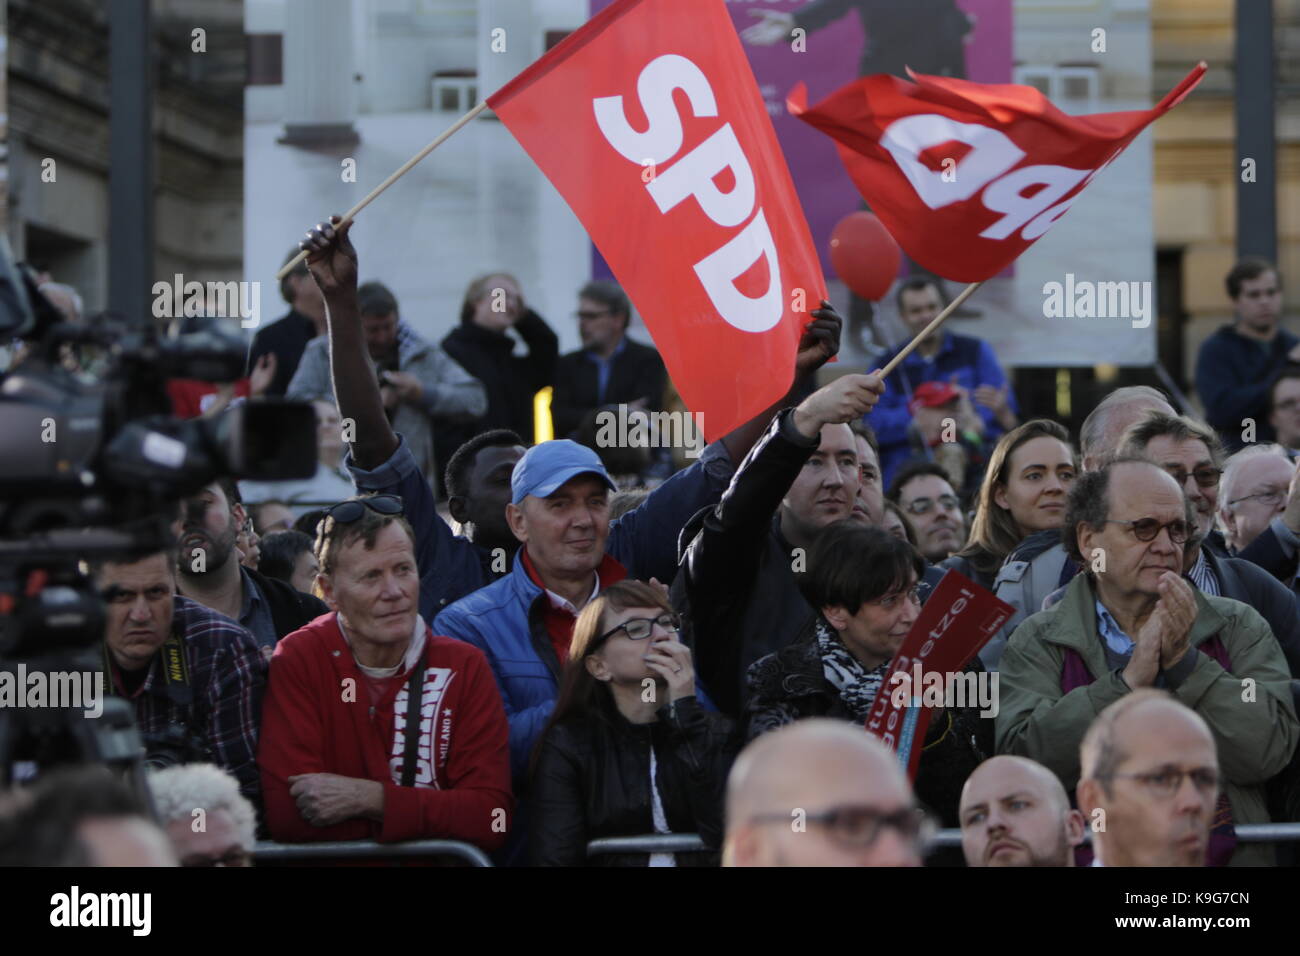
[
  {"x": 398, "y": 174},
  {"x": 937, "y": 321}
]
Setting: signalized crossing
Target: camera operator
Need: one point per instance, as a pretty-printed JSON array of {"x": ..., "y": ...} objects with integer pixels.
[
  {"x": 209, "y": 570},
  {"x": 194, "y": 677}
]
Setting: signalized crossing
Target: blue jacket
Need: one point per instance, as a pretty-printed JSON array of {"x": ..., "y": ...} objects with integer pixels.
[
  {"x": 451, "y": 566},
  {"x": 1234, "y": 375},
  {"x": 968, "y": 360},
  {"x": 504, "y": 619}
]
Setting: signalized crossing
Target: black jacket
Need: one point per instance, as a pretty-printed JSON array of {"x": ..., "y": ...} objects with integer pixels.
[
  {"x": 290, "y": 608},
  {"x": 1268, "y": 552},
  {"x": 736, "y": 588},
  {"x": 287, "y": 337},
  {"x": 791, "y": 684},
  {"x": 636, "y": 372},
  {"x": 592, "y": 780},
  {"x": 1234, "y": 376},
  {"x": 511, "y": 381}
]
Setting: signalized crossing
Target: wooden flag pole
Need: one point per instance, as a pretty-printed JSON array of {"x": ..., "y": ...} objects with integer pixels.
[
  {"x": 938, "y": 320},
  {"x": 398, "y": 174}
]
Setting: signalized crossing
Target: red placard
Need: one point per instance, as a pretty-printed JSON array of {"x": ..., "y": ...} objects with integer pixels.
[{"x": 958, "y": 619}]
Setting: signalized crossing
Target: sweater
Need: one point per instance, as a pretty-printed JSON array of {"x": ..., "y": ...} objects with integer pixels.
[{"x": 317, "y": 719}]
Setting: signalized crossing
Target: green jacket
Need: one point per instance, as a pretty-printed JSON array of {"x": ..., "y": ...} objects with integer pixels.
[{"x": 1255, "y": 738}]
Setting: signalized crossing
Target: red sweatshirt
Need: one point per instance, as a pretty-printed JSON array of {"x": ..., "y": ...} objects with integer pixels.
[{"x": 317, "y": 719}]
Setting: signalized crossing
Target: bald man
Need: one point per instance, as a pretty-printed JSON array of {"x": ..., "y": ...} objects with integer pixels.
[
  {"x": 1100, "y": 433},
  {"x": 821, "y": 793},
  {"x": 1150, "y": 782},
  {"x": 1014, "y": 812}
]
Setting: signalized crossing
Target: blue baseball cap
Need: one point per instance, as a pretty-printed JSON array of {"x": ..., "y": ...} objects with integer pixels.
[{"x": 547, "y": 466}]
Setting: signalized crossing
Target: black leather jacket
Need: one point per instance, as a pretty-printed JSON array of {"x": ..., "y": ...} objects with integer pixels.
[
  {"x": 592, "y": 780},
  {"x": 736, "y": 588}
]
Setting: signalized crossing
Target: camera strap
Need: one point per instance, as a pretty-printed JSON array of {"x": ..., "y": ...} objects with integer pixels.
[
  {"x": 414, "y": 698},
  {"x": 176, "y": 670}
]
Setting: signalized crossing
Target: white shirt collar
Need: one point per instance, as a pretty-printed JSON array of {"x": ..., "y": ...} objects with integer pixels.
[
  {"x": 413, "y": 652},
  {"x": 565, "y": 604}
]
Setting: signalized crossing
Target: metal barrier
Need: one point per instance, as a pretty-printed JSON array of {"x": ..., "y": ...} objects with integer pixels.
[
  {"x": 356, "y": 850},
  {"x": 649, "y": 843},
  {"x": 1246, "y": 833}
]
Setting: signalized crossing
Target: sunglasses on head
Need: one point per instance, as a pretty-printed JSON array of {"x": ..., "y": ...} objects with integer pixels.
[{"x": 346, "y": 512}]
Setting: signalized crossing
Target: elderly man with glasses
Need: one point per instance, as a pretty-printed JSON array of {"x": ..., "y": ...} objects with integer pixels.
[
  {"x": 1150, "y": 782},
  {"x": 1130, "y": 621},
  {"x": 822, "y": 792},
  {"x": 342, "y": 755},
  {"x": 1254, "y": 491}
]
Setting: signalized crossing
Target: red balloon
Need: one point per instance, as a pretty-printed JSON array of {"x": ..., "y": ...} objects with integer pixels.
[{"x": 865, "y": 255}]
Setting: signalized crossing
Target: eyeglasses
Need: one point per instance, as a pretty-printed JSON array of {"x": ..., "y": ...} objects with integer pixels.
[
  {"x": 1165, "y": 783},
  {"x": 890, "y": 601},
  {"x": 920, "y": 506},
  {"x": 1206, "y": 476},
  {"x": 1271, "y": 498},
  {"x": 639, "y": 628},
  {"x": 860, "y": 827},
  {"x": 1146, "y": 529},
  {"x": 588, "y": 314},
  {"x": 346, "y": 512}
]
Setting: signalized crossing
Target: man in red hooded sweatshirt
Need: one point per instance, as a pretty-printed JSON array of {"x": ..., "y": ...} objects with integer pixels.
[{"x": 337, "y": 756}]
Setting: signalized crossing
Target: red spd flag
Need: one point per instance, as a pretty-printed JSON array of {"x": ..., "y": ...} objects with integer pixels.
[
  {"x": 649, "y": 123},
  {"x": 967, "y": 175},
  {"x": 958, "y": 619}
]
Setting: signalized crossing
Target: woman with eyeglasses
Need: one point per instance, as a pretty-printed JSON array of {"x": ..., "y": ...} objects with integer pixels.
[
  {"x": 628, "y": 750},
  {"x": 1025, "y": 486},
  {"x": 864, "y": 583}
]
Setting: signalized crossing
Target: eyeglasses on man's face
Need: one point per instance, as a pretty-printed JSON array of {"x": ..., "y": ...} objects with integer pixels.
[
  {"x": 1271, "y": 498},
  {"x": 859, "y": 827},
  {"x": 1166, "y": 781},
  {"x": 1146, "y": 529},
  {"x": 1207, "y": 476}
]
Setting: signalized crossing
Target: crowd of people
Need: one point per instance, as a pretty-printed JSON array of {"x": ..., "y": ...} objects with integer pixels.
[{"x": 451, "y": 632}]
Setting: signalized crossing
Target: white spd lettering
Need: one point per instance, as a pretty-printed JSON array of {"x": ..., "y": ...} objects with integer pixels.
[
  {"x": 987, "y": 166},
  {"x": 695, "y": 175}
]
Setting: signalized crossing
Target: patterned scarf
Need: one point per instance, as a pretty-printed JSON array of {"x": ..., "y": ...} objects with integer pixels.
[{"x": 856, "y": 685}]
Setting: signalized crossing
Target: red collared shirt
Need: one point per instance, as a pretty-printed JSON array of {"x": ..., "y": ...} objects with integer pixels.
[{"x": 560, "y": 614}]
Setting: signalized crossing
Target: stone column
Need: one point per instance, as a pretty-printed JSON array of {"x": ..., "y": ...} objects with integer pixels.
[
  {"x": 507, "y": 43},
  {"x": 320, "y": 94}
]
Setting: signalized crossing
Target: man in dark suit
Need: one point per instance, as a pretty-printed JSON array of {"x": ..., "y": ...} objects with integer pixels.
[
  {"x": 610, "y": 369},
  {"x": 287, "y": 337}
]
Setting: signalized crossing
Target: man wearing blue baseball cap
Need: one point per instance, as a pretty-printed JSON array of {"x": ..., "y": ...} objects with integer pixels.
[
  {"x": 558, "y": 511},
  {"x": 453, "y": 565}
]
